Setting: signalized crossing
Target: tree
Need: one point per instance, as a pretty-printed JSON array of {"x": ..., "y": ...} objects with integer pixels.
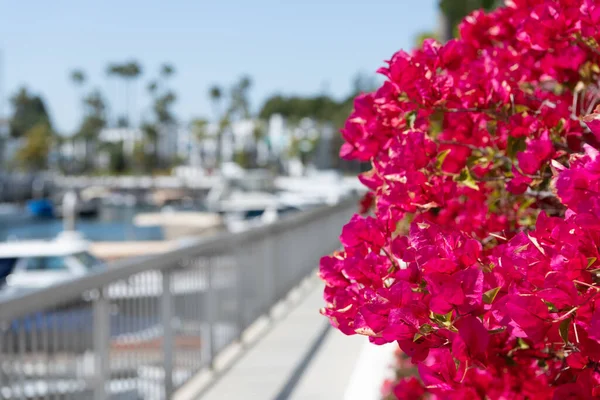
[
  {"x": 152, "y": 87},
  {"x": 162, "y": 107},
  {"x": 151, "y": 137},
  {"x": 78, "y": 77},
  {"x": 163, "y": 99},
  {"x": 216, "y": 96},
  {"x": 240, "y": 103},
  {"x": 128, "y": 72},
  {"x": 33, "y": 155},
  {"x": 323, "y": 109},
  {"x": 453, "y": 11},
  {"x": 421, "y": 37},
  {"x": 320, "y": 108},
  {"x": 142, "y": 160},
  {"x": 199, "y": 128},
  {"x": 93, "y": 122},
  {"x": 29, "y": 111},
  {"x": 167, "y": 70},
  {"x": 117, "y": 159}
]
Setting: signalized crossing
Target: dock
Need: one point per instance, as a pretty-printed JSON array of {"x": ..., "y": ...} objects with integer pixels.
[
  {"x": 179, "y": 224},
  {"x": 112, "y": 251}
]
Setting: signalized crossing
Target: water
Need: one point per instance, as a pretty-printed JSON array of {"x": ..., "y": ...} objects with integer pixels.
[{"x": 112, "y": 224}]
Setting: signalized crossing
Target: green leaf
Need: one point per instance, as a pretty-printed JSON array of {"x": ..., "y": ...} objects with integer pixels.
[
  {"x": 561, "y": 125},
  {"x": 426, "y": 329},
  {"x": 439, "y": 161},
  {"x": 411, "y": 117},
  {"x": 522, "y": 344},
  {"x": 525, "y": 205},
  {"x": 563, "y": 329},
  {"x": 520, "y": 108},
  {"x": 417, "y": 336},
  {"x": 515, "y": 145},
  {"x": 591, "y": 261},
  {"x": 442, "y": 319},
  {"x": 487, "y": 268},
  {"x": 551, "y": 306},
  {"x": 490, "y": 295},
  {"x": 476, "y": 159},
  {"x": 466, "y": 179}
]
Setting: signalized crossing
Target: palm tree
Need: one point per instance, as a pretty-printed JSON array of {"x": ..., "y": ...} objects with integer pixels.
[
  {"x": 152, "y": 87},
  {"x": 240, "y": 104},
  {"x": 92, "y": 124},
  {"x": 167, "y": 70},
  {"x": 244, "y": 87},
  {"x": 151, "y": 136},
  {"x": 162, "y": 100},
  {"x": 216, "y": 95},
  {"x": 259, "y": 133},
  {"x": 165, "y": 101},
  {"x": 78, "y": 77},
  {"x": 199, "y": 128},
  {"x": 128, "y": 72}
]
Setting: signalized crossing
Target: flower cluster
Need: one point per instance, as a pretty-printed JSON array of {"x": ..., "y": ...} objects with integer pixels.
[{"x": 487, "y": 146}]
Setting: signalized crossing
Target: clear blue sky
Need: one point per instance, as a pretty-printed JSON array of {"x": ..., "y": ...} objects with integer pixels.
[{"x": 289, "y": 47}]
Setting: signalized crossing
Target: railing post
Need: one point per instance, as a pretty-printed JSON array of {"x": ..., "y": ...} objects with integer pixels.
[
  {"x": 269, "y": 271},
  {"x": 167, "y": 324},
  {"x": 239, "y": 286},
  {"x": 210, "y": 312},
  {"x": 101, "y": 329}
]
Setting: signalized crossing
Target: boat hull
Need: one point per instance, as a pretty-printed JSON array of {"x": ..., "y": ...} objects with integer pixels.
[{"x": 41, "y": 208}]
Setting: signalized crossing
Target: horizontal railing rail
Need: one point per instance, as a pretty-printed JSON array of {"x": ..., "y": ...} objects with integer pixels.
[{"x": 141, "y": 328}]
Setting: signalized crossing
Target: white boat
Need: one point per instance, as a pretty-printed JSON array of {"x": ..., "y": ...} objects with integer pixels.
[
  {"x": 324, "y": 187},
  {"x": 87, "y": 204},
  {"x": 35, "y": 264},
  {"x": 250, "y": 198},
  {"x": 242, "y": 209}
]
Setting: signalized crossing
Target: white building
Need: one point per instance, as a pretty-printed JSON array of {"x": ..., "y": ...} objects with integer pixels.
[
  {"x": 198, "y": 148},
  {"x": 128, "y": 136}
]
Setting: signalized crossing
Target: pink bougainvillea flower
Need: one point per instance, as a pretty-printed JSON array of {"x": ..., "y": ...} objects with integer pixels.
[
  {"x": 593, "y": 122},
  {"x": 480, "y": 254}
]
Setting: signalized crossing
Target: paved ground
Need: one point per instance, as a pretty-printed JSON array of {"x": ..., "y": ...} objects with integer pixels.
[{"x": 300, "y": 358}]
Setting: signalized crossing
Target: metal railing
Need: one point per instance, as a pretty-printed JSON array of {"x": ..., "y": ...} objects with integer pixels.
[{"x": 139, "y": 330}]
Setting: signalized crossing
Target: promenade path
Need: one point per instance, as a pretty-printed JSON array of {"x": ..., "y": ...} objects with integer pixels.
[{"x": 297, "y": 356}]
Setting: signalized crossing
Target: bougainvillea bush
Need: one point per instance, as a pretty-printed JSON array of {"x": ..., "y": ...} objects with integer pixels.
[{"x": 479, "y": 249}]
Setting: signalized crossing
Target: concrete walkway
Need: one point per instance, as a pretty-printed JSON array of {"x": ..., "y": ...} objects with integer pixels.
[{"x": 300, "y": 358}]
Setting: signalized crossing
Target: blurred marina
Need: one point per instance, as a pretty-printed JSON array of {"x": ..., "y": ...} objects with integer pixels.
[
  {"x": 121, "y": 281},
  {"x": 73, "y": 325}
]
